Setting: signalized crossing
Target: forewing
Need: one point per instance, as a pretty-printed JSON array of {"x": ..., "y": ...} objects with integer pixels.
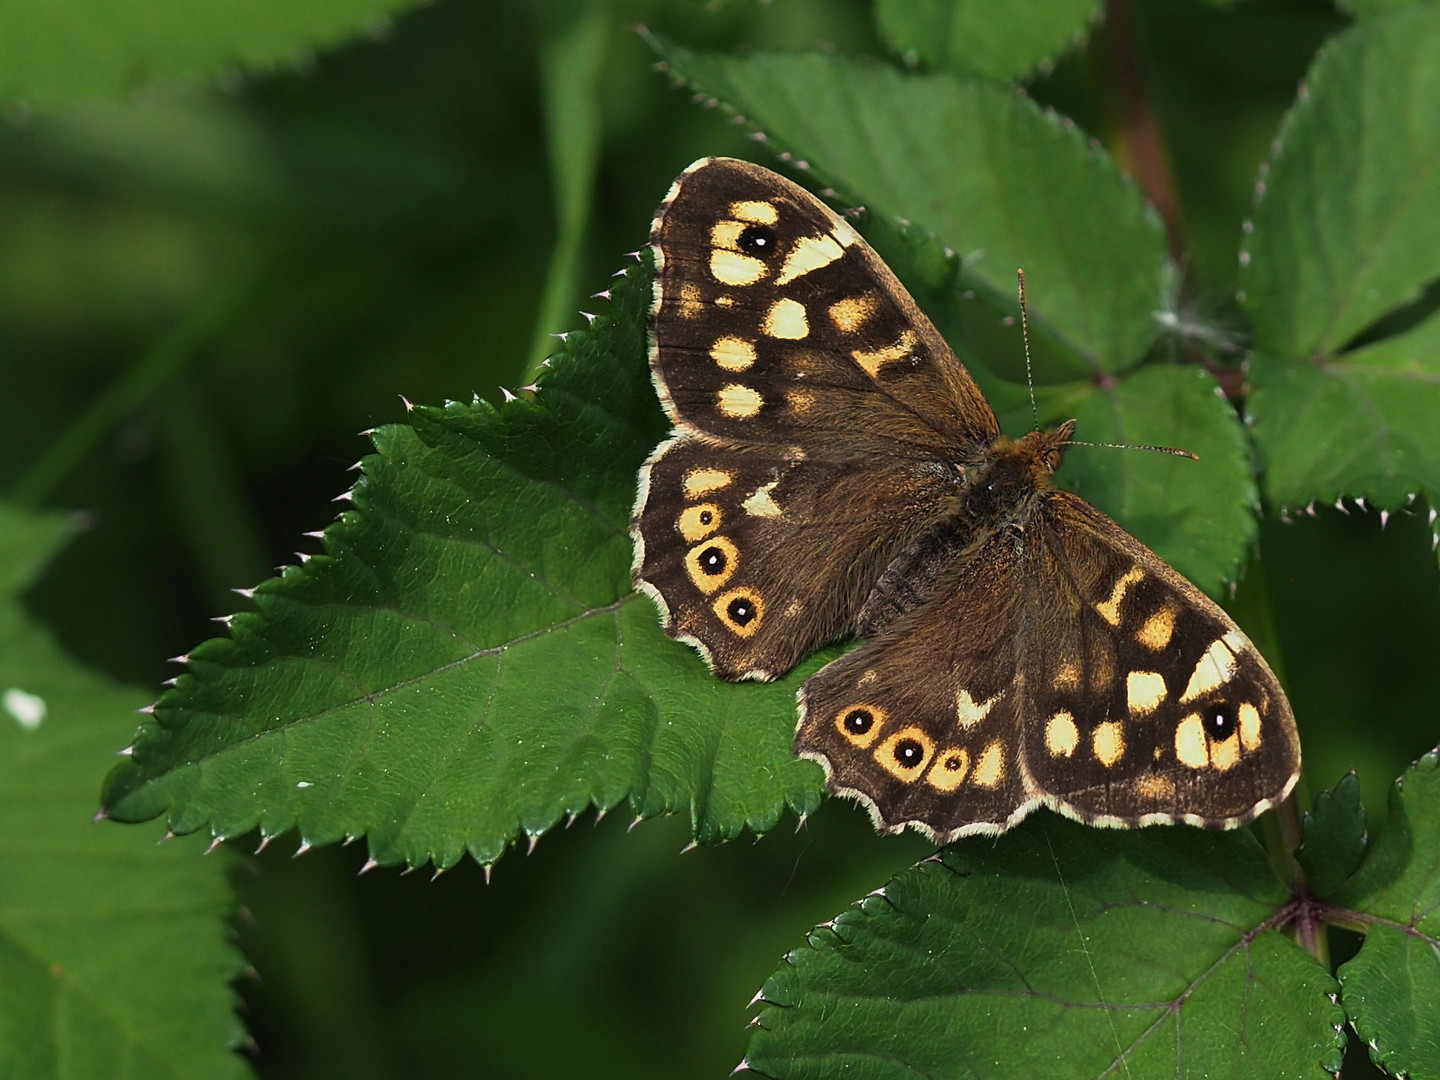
[
  {"x": 774, "y": 323},
  {"x": 1148, "y": 703}
]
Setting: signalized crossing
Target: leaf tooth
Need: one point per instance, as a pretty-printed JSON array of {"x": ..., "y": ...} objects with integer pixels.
[
  {"x": 1340, "y": 505},
  {"x": 215, "y": 842},
  {"x": 489, "y": 869},
  {"x": 146, "y": 710},
  {"x": 758, "y": 999},
  {"x": 409, "y": 405},
  {"x": 589, "y": 318},
  {"x": 345, "y": 496},
  {"x": 531, "y": 388},
  {"x": 637, "y": 821},
  {"x": 691, "y": 846},
  {"x": 603, "y": 294},
  {"x": 265, "y": 839},
  {"x": 1384, "y": 517},
  {"x": 534, "y": 842},
  {"x": 509, "y": 397},
  {"x": 169, "y": 835},
  {"x": 370, "y": 864},
  {"x": 223, "y": 620},
  {"x": 100, "y": 816},
  {"x": 302, "y": 849},
  {"x": 184, "y": 658}
]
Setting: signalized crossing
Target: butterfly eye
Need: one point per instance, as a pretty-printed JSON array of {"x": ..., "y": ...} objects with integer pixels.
[
  {"x": 909, "y": 753},
  {"x": 1220, "y": 723},
  {"x": 860, "y": 723},
  {"x": 712, "y": 560},
  {"x": 756, "y": 240}
]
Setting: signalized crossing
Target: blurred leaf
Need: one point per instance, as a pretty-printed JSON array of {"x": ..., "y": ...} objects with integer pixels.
[
  {"x": 1391, "y": 988},
  {"x": 1058, "y": 950},
  {"x": 1333, "y": 837},
  {"x": 468, "y": 660},
  {"x": 571, "y": 65},
  {"x": 1000, "y": 181},
  {"x": 65, "y": 51},
  {"x": 1003, "y": 41},
  {"x": 1346, "y": 230},
  {"x": 113, "y": 952},
  {"x": 1361, "y": 424}
]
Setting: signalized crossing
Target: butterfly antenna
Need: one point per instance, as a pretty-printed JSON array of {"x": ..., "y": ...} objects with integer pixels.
[
  {"x": 1025, "y": 337},
  {"x": 1134, "y": 446}
]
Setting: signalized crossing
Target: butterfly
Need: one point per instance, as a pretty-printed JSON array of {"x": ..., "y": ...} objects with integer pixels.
[{"x": 834, "y": 470}]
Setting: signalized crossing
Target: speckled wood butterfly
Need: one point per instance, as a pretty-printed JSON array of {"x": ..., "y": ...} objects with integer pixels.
[{"x": 834, "y": 470}]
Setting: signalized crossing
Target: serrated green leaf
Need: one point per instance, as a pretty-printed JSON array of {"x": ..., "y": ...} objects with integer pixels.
[
  {"x": 468, "y": 660},
  {"x": 1391, "y": 988},
  {"x": 113, "y": 953},
  {"x": 1333, "y": 837},
  {"x": 996, "y": 178},
  {"x": 1347, "y": 229},
  {"x": 1002, "y": 41},
  {"x": 1058, "y": 950},
  {"x": 1361, "y": 424},
  {"x": 64, "y": 51}
]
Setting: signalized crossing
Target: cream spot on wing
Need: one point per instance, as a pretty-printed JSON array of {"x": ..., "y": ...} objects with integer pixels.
[
  {"x": 726, "y": 234},
  {"x": 1144, "y": 691},
  {"x": 1214, "y": 669},
  {"x": 1110, "y": 609},
  {"x": 968, "y": 711},
  {"x": 1225, "y": 754},
  {"x": 949, "y": 769},
  {"x": 761, "y": 213},
  {"x": 786, "y": 319},
  {"x": 733, "y": 353},
  {"x": 702, "y": 481},
  {"x": 809, "y": 253},
  {"x": 1249, "y": 726},
  {"x": 1109, "y": 743},
  {"x": 844, "y": 233},
  {"x": 698, "y": 522},
  {"x": 1191, "y": 746},
  {"x": 1061, "y": 735},
  {"x": 990, "y": 769},
  {"x": 690, "y": 303},
  {"x": 733, "y": 268},
  {"x": 724, "y": 301},
  {"x": 760, "y": 504},
  {"x": 738, "y": 402},
  {"x": 1155, "y": 634},
  {"x": 850, "y": 314},
  {"x": 872, "y": 360},
  {"x": 1236, "y": 639}
]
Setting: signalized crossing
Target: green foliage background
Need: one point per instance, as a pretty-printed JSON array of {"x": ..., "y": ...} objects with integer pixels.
[{"x": 228, "y": 250}]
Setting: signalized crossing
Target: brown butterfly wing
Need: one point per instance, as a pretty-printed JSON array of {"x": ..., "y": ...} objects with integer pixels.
[
  {"x": 814, "y": 409},
  {"x": 1148, "y": 703}
]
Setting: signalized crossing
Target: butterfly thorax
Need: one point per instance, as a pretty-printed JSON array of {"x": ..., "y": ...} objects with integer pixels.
[{"x": 1000, "y": 487}]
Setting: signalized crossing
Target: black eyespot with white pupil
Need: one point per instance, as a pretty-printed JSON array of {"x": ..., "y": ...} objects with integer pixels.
[
  {"x": 706, "y": 517},
  {"x": 909, "y": 753},
  {"x": 1220, "y": 722},
  {"x": 713, "y": 561},
  {"x": 757, "y": 240},
  {"x": 859, "y": 721},
  {"x": 740, "y": 610}
]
